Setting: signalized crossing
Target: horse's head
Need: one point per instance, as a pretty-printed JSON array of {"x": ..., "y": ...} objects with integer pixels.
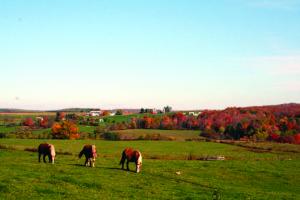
[
  {"x": 94, "y": 151},
  {"x": 139, "y": 162},
  {"x": 52, "y": 153},
  {"x": 94, "y": 156}
]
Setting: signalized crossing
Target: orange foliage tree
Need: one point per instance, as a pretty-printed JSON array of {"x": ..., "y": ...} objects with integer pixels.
[
  {"x": 65, "y": 130},
  {"x": 105, "y": 113}
]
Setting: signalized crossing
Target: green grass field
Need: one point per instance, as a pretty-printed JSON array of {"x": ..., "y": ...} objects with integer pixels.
[{"x": 244, "y": 175}]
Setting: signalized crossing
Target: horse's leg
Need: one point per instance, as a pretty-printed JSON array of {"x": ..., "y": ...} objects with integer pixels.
[
  {"x": 50, "y": 158},
  {"x": 136, "y": 167},
  {"x": 89, "y": 162},
  {"x": 127, "y": 164},
  {"x": 86, "y": 161},
  {"x": 44, "y": 158},
  {"x": 122, "y": 161},
  {"x": 40, "y": 157},
  {"x": 93, "y": 162}
]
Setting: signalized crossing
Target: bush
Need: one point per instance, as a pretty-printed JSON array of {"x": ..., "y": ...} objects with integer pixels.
[{"x": 261, "y": 136}]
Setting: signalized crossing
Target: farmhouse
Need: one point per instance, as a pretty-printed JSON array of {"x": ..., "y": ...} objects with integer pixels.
[
  {"x": 95, "y": 113},
  {"x": 192, "y": 113},
  {"x": 196, "y": 114}
]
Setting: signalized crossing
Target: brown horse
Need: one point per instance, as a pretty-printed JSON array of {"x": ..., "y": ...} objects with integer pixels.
[
  {"x": 89, "y": 151},
  {"x": 46, "y": 149},
  {"x": 132, "y": 156}
]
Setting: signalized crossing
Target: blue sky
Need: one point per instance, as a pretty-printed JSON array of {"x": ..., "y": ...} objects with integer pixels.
[{"x": 131, "y": 54}]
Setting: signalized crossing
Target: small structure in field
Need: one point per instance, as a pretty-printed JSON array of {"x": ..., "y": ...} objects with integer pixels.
[{"x": 215, "y": 158}]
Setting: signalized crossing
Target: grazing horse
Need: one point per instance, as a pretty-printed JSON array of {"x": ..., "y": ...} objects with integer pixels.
[
  {"x": 89, "y": 151},
  {"x": 132, "y": 156},
  {"x": 46, "y": 149}
]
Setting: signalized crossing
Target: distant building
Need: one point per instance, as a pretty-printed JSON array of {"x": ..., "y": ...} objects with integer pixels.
[
  {"x": 112, "y": 113},
  {"x": 95, "y": 113},
  {"x": 196, "y": 114}
]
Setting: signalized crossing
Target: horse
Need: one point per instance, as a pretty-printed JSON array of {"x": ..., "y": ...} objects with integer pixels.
[
  {"x": 89, "y": 151},
  {"x": 46, "y": 149},
  {"x": 131, "y": 156}
]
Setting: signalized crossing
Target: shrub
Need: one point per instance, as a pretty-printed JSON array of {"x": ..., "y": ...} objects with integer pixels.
[
  {"x": 261, "y": 136},
  {"x": 99, "y": 131},
  {"x": 3, "y": 135}
]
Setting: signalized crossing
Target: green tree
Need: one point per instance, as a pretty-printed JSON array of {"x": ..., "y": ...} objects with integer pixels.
[
  {"x": 167, "y": 109},
  {"x": 119, "y": 112}
]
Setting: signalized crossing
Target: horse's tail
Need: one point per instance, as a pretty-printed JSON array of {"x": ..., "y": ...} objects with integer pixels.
[{"x": 123, "y": 158}]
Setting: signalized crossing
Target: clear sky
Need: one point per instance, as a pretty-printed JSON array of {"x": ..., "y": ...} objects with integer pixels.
[{"x": 149, "y": 53}]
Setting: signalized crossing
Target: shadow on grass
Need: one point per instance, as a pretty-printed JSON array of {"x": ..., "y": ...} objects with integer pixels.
[
  {"x": 160, "y": 176},
  {"x": 107, "y": 168}
]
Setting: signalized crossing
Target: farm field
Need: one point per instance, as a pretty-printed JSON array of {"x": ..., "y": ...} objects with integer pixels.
[
  {"x": 179, "y": 135},
  {"x": 245, "y": 174},
  {"x": 18, "y": 117}
]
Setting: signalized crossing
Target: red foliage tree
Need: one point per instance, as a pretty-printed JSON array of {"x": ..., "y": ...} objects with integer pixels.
[
  {"x": 28, "y": 122},
  {"x": 297, "y": 138},
  {"x": 44, "y": 122}
]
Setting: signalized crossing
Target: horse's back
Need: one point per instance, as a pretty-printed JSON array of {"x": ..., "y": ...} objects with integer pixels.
[
  {"x": 44, "y": 148},
  {"x": 89, "y": 150},
  {"x": 132, "y": 155}
]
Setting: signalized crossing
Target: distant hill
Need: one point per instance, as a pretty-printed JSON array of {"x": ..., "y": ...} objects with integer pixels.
[
  {"x": 274, "y": 108},
  {"x": 12, "y": 110}
]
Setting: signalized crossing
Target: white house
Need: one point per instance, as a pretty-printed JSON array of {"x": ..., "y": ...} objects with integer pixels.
[
  {"x": 196, "y": 114},
  {"x": 95, "y": 113},
  {"x": 112, "y": 114}
]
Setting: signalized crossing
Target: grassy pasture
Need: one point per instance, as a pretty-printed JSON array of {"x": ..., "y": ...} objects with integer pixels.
[
  {"x": 127, "y": 118},
  {"x": 244, "y": 175}
]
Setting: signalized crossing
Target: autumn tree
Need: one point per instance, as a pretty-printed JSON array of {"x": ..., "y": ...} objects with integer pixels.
[
  {"x": 44, "y": 122},
  {"x": 60, "y": 116},
  {"x": 105, "y": 113},
  {"x": 65, "y": 130},
  {"x": 28, "y": 122}
]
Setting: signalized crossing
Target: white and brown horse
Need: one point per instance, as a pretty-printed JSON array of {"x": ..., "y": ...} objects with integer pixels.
[
  {"x": 89, "y": 151},
  {"x": 46, "y": 149},
  {"x": 130, "y": 155}
]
